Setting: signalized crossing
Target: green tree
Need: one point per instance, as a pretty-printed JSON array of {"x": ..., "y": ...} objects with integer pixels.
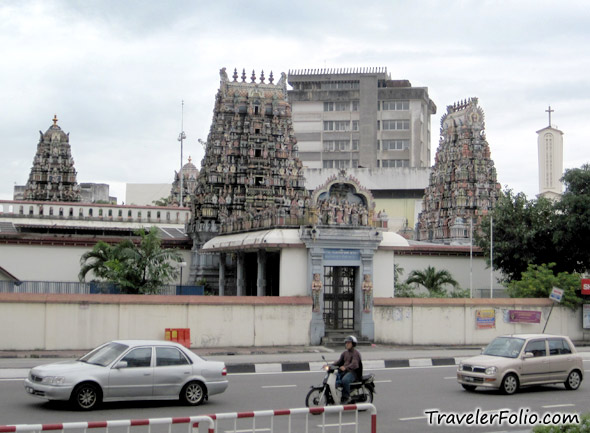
[
  {"x": 402, "y": 290},
  {"x": 572, "y": 231},
  {"x": 141, "y": 267},
  {"x": 539, "y": 280},
  {"x": 433, "y": 280},
  {"x": 164, "y": 201},
  {"x": 522, "y": 233}
]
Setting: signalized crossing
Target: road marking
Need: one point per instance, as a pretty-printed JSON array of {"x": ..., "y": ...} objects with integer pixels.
[
  {"x": 336, "y": 425},
  {"x": 450, "y": 377},
  {"x": 247, "y": 431},
  {"x": 16, "y": 379},
  {"x": 383, "y": 381},
  {"x": 279, "y": 386},
  {"x": 413, "y": 418},
  {"x": 558, "y": 405}
]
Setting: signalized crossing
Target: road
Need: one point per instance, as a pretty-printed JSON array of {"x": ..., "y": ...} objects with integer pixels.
[{"x": 403, "y": 396}]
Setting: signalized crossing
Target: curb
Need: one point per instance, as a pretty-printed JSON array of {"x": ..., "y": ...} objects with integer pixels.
[{"x": 289, "y": 367}]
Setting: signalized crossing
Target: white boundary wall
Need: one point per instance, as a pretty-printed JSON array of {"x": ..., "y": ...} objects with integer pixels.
[{"x": 80, "y": 322}]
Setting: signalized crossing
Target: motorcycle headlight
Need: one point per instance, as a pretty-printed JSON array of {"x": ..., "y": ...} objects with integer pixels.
[
  {"x": 491, "y": 370},
  {"x": 53, "y": 380},
  {"x": 326, "y": 367}
]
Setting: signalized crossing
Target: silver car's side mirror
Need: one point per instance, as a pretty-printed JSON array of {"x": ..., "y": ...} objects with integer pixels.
[
  {"x": 528, "y": 355},
  {"x": 121, "y": 364}
]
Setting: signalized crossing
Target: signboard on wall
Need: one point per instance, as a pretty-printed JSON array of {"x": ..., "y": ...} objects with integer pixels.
[
  {"x": 341, "y": 254},
  {"x": 585, "y": 286},
  {"x": 520, "y": 316},
  {"x": 485, "y": 319}
]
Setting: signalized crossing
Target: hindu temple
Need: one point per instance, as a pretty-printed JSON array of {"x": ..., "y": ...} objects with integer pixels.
[
  {"x": 53, "y": 177},
  {"x": 463, "y": 184}
]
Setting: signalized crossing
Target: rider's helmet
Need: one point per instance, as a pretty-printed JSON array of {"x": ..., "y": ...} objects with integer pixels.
[{"x": 352, "y": 339}]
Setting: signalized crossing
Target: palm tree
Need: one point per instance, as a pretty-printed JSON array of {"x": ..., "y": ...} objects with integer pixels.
[
  {"x": 433, "y": 280},
  {"x": 134, "y": 268}
]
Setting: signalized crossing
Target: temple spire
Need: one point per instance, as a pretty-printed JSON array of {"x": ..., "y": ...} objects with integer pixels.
[{"x": 549, "y": 110}]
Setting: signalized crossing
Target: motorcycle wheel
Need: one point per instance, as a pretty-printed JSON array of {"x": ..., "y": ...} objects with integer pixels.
[{"x": 315, "y": 398}]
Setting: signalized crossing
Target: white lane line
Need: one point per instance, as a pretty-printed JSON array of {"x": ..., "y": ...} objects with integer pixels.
[
  {"x": 558, "y": 405},
  {"x": 413, "y": 418},
  {"x": 279, "y": 386},
  {"x": 450, "y": 377},
  {"x": 383, "y": 381},
  {"x": 268, "y": 368},
  {"x": 336, "y": 425},
  {"x": 247, "y": 431},
  {"x": 16, "y": 379},
  {"x": 11, "y": 373}
]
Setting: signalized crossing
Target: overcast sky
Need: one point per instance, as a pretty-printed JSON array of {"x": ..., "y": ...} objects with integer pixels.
[{"x": 115, "y": 72}]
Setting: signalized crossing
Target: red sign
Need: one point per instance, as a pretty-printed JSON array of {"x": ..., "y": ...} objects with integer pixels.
[
  {"x": 585, "y": 286},
  {"x": 524, "y": 316}
]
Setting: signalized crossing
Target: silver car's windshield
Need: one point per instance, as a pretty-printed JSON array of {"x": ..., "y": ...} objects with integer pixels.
[
  {"x": 508, "y": 347},
  {"x": 104, "y": 355}
]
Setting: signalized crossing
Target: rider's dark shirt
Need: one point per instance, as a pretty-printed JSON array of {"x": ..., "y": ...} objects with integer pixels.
[{"x": 351, "y": 360}]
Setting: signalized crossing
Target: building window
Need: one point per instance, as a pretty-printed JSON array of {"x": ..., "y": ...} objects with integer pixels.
[
  {"x": 158, "y": 214},
  {"x": 328, "y": 106},
  {"x": 90, "y": 212},
  {"x": 71, "y": 212},
  {"x": 100, "y": 212},
  {"x": 120, "y": 213},
  {"x": 340, "y": 85},
  {"x": 342, "y": 106},
  {"x": 399, "y": 105},
  {"x": 395, "y": 144},
  {"x": 355, "y": 163},
  {"x": 390, "y": 163},
  {"x": 129, "y": 214},
  {"x": 336, "y": 145},
  {"x": 110, "y": 213},
  {"x": 397, "y": 125},
  {"x": 355, "y": 125},
  {"x": 337, "y": 125},
  {"x": 355, "y": 145},
  {"x": 331, "y": 163},
  {"x": 355, "y": 105}
]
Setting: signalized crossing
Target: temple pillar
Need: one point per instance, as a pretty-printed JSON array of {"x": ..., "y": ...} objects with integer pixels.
[
  {"x": 240, "y": 282},
  {"x": 261, "y": 275},
  {"x": 221, "y": 274}
]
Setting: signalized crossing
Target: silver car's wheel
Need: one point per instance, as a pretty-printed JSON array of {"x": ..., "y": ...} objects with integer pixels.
[
  {"x": 468, "y": 387},
  {"x": 193, "y": 393},
  {"x": 86, "y": 396},
  {"x": 573, "y": 380},
  {"x": 509, "y": 384}
]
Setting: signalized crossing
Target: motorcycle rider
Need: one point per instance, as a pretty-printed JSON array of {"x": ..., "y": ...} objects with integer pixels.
[{"x": 349, "y": 367}]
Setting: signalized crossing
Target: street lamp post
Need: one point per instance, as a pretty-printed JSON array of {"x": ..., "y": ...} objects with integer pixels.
[{"x": 181, "y": 138}]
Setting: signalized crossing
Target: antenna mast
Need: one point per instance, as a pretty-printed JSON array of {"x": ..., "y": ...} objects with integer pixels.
[{"x": 181, "y": 138}]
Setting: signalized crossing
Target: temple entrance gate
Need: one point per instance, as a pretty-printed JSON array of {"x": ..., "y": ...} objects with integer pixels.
[{"x": 339, "y": 295}]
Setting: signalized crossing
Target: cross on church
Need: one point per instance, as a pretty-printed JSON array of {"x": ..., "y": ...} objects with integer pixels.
[{"x": 549, "y": 111}]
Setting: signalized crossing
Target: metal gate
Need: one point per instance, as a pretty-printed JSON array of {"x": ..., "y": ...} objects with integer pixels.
[{"x": 339, "y": 282}]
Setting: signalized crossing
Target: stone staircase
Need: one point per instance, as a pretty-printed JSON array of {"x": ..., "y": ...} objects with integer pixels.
[{"x": 335, "y": 338}]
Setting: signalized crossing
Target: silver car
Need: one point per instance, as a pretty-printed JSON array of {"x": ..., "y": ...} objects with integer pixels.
[
  {"x": 512, "y": 361},
  {"x": 129, "y": 370}
]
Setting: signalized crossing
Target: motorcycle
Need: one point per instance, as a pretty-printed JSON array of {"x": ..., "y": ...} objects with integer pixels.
[{"x": 329, "y": 394}]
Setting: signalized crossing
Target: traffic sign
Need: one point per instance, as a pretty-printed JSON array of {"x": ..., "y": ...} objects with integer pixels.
[{"x": 556, "y": 294}]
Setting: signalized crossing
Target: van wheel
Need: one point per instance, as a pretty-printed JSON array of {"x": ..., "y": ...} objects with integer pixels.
[
  {"x": 573, "y": 380},
  {"x": 509, "y": 384}
]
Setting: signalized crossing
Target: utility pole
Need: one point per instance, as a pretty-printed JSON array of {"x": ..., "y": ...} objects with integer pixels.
[{"x": 181, "y": 138}]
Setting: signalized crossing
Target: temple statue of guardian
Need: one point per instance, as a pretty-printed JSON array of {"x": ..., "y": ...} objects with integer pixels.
[{"x": 463, "y": 185}]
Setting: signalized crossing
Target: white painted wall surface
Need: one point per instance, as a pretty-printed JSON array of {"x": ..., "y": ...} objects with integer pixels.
[{"x": 293, "y": 277}]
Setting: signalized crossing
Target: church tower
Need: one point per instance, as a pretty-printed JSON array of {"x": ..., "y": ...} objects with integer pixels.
[
  {"x": 550, "y": 148},
  {"x": 463, "y": 184},
  {"x": 53, "y": 177}
]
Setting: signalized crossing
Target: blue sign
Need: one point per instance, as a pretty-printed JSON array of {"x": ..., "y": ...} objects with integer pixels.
[{"x": 342, "y": 255}]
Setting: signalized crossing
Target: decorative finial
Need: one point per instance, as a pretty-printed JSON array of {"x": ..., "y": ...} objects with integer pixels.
[
  {"x": 189, "y": 159},
  {"x": 253, "y": 77},
  {"x": 270, "y": 79},
  {"x": 549, "y": 111},
  {"x": 262, "y": 76},
  {"x": 235, "y": 75},
  {"x": 243, "y": 75},
  {"x": 55, "y": 119}
]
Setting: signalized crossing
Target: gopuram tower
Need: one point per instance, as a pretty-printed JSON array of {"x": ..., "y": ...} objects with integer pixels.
[
  {"x": 463, "y": 184},
  {"x": 251, "y": 177},
  {"x": 53, "y": 177}
]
